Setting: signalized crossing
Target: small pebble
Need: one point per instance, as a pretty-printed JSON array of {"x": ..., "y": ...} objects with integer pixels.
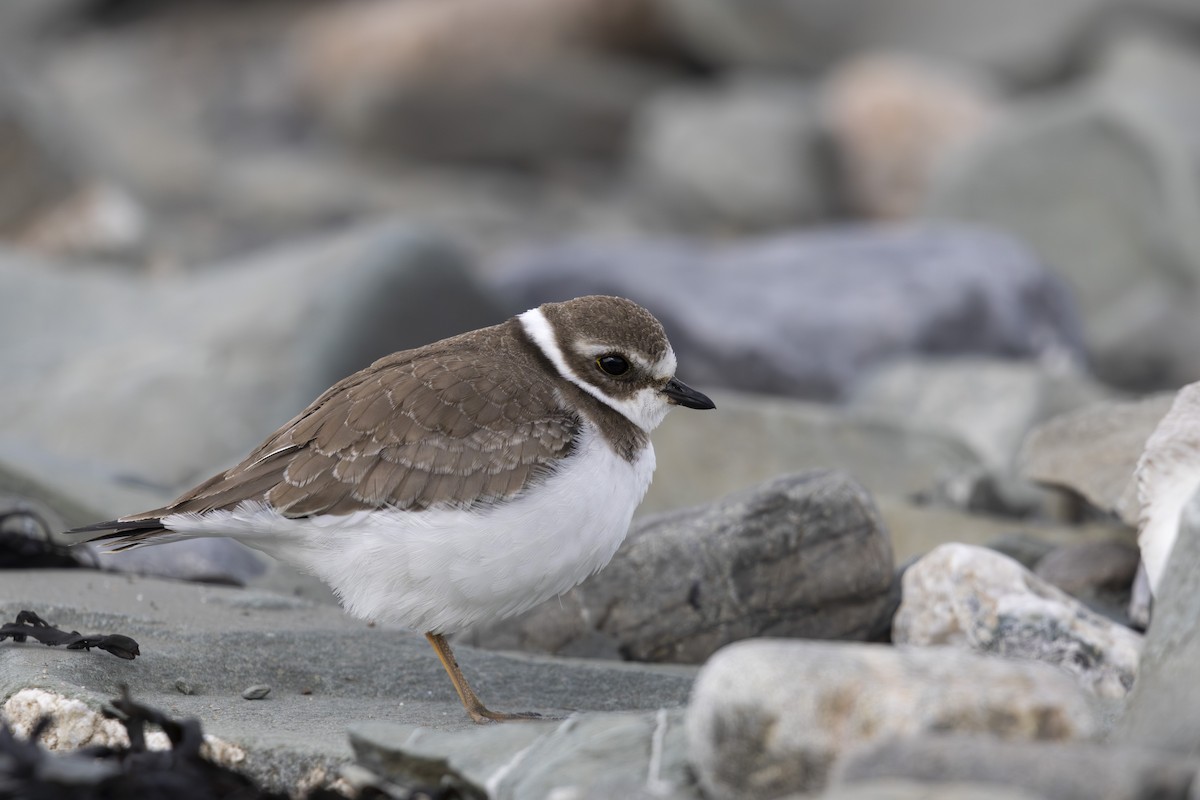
[
  {"x": 256, "y": 692},
  {"x": 184, "y": 687}
]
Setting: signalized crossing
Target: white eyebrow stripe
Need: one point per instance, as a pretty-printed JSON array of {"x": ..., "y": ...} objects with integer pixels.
[{"x": 664, "y": 367}]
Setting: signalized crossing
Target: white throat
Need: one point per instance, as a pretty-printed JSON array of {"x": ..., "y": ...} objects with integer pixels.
[{"x": 647, "y": 408}]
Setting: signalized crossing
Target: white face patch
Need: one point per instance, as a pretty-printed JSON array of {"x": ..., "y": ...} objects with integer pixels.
[{"x": 646, "y": 409}]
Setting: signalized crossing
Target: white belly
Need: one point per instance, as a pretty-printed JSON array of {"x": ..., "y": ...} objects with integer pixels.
[{"x": 445, "y": 570}]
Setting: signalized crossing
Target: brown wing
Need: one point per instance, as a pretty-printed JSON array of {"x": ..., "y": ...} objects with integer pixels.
[{"x": 455, "y": 424}]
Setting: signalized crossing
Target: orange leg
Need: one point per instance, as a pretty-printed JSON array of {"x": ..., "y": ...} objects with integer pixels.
[{"x": 479, "y": 713}]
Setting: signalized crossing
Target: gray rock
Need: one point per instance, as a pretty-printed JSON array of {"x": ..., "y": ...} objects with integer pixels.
[
  {"x": 1162, "y": 711},
  {"x": 753, "y": 439},
  {"x": 327, "y": 671},
  {"x": 977, "y": 599},
  {"x": 1167, "y": 475},
  {"x": 1059, "y": 770},
  {"x": 214, "y": 362},
  {"x": 760, "y": 315},
  {"x": 1093, "y": 451},
  {"x": 585, "y": 756},
  {"x": 772, "y": 717},
  {"x": 989, "y": 404},
  {"x": 804, "y": 555},
  {"x": 808, "y": 35},
  {"x": 1128, "y": 252},
  {"x": 744, "y": 155},
  {"x": 1091, "y": 571},
  {"x": 256, "y": 692}
]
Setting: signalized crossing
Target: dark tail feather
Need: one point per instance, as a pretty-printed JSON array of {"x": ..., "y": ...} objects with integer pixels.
[{"x": 130, "y": 533}]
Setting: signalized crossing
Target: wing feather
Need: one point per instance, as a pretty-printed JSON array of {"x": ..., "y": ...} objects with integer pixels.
[{"x": 472, "y": 419}]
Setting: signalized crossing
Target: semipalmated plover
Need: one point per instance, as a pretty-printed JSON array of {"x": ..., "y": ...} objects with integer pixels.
[{"x": 457, "y": 483}]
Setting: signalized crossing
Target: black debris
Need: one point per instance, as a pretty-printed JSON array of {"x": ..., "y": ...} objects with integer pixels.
[
  {"x": 30, "y": 625},
  {"x": 25, "y": 543}
]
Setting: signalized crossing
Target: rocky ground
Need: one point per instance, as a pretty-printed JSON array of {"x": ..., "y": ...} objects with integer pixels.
[{"x": 937, "y": 262}]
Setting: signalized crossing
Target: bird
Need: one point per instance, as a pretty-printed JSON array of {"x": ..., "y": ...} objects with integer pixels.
[{"x": 457, "y": 483}]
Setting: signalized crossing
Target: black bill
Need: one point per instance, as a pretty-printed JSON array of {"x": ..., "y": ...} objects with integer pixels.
[{"x": 680, "y": 394}]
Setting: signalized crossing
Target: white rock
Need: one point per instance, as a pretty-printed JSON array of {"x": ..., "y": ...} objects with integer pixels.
[
  {"x": 975, "y": 598},
  {"x": 76, "y": 724},
  {"x": 1168, "y": 474}
]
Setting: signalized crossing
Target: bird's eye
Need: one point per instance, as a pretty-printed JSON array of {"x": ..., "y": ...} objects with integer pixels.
[{"x": 613, "y": 364}]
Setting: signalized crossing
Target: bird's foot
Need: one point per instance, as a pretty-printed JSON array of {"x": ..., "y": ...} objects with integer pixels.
[{"x": 483, "y": 716}]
